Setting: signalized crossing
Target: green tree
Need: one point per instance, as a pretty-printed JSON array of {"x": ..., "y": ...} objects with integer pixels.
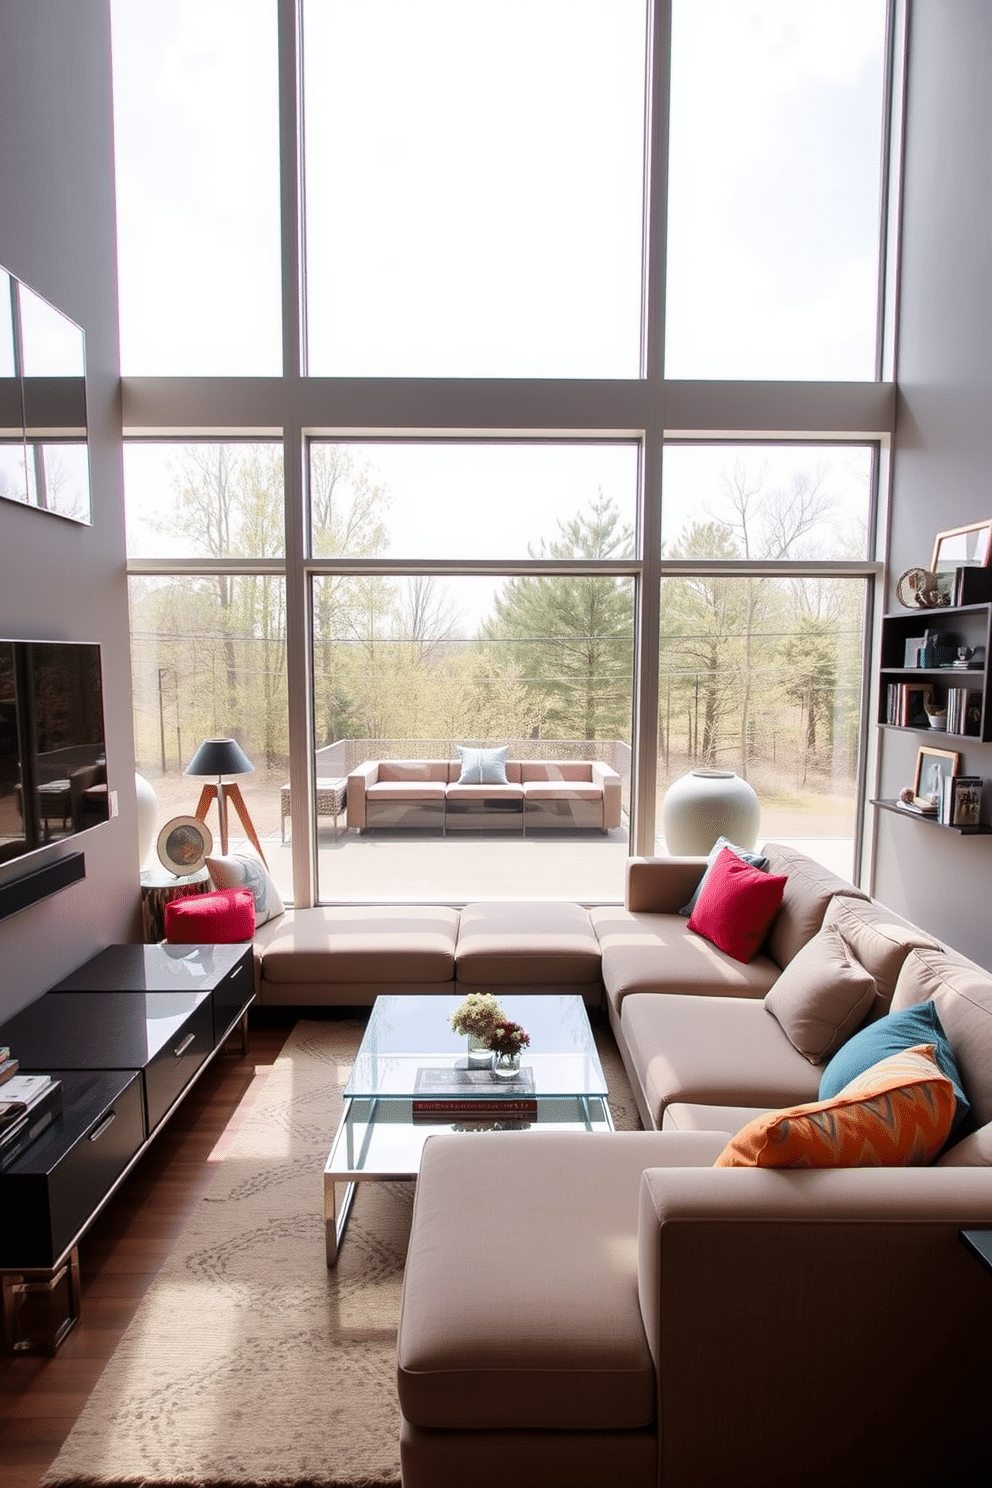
[
  {"x": 571, "y": 636},
  {"x": 809, "y": 658}
]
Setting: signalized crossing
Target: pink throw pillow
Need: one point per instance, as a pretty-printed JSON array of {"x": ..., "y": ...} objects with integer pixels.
[
  {"x": 736, "y": 906},
  {"x": 220, "y": 918}
]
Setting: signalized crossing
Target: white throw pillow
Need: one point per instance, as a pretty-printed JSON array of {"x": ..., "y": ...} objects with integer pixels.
[
  {"x": 483, "y": 766},
  {"x": 244, "y": 871}
]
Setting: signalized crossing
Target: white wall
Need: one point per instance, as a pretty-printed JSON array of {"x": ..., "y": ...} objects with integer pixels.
[
  {"x": 942, "y": 469},
  {"x": 59, "y": 580}
]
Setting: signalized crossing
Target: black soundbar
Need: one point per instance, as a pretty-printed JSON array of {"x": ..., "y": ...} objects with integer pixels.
[{"x": 31, "y": 887}]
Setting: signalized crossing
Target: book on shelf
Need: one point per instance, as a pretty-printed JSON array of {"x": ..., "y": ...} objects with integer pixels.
[
  {"x": 8, "y": 1066},
  {"x": 918, "y": 807},
  {"x": 964, "y": 805}
]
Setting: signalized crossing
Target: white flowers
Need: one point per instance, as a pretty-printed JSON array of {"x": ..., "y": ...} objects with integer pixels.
[{"x": 478, "y": 1014}]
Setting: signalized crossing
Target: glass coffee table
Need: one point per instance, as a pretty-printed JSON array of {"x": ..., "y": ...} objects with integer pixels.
[{"x": 410, "y": 1080}]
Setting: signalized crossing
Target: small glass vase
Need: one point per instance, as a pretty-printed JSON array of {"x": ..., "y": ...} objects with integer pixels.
[
  {"x": 506, "y": 1066},
  {"x": 480, "y": 1056}
]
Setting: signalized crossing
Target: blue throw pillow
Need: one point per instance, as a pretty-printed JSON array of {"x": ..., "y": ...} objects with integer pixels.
[
  {"x": 913, "y": 1025},
  {"x": 483, "y": 766},
  {"x": 756, "y": 860}
]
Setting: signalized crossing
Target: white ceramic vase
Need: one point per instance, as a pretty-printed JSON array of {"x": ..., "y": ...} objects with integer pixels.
[
  {"x": 707, "y": 804},
  {"x": 147, "y": 812}
]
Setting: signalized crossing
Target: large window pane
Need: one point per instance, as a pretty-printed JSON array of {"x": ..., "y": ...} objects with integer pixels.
[
  {"x": 474, "y": 182},
  {"x": 763, "y": 677},
  {"x": 197, "y": 158},
  {"x": 204, "y": 500},
  {"x": 208, "y": 657},
  {"x": 419, "y": 499},
  {"x": 803, "y": 502},
  {"x": 774, "y": 188},
  {"x": 408, "y": 668}
]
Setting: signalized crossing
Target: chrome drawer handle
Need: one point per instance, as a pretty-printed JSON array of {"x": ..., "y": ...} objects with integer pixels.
[
  {"x": 190, "y": 1037},
  {"x": 98, "y": 1132}
]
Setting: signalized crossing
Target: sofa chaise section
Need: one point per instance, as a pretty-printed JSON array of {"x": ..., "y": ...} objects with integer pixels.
[{"x": 349, "y": 955}]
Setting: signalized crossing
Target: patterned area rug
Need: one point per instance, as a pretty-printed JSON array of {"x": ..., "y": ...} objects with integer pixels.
[{"x": 248, "y": 1361}]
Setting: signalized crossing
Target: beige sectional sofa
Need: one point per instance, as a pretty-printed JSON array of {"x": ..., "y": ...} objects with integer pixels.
[
  {"x": 615, "y": 1308},
  {"x": 538, "y": 795}
]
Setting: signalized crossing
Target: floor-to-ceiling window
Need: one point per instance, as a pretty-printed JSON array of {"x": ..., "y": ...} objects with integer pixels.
[{"x": 529, "y": 394}]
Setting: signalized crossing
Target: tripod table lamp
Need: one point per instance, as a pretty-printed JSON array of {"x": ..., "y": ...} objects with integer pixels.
[{"x": 222, "y": 757}]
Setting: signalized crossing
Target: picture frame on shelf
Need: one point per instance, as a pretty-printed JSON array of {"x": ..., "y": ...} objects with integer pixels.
[
  {"x": 963, "y": 547},
  {"x": 966, "y": 803},
  {"x": 934, "y": 769}
]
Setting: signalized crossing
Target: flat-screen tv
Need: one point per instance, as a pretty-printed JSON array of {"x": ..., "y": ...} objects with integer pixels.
[{"x": 53, "y": 762}]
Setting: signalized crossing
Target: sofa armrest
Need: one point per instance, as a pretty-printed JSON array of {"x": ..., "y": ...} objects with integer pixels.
[
  {"x": 661, "y": 885},
  {"x": 358, "y": 781},
  {"x": 802, "y": 1322},
  {"x": 609, "y": 783}
]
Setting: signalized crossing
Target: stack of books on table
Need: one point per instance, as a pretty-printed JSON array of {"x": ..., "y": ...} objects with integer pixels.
[
  {"x": 28, "y": 1106},
  {"x": 446, "y": 1095}
]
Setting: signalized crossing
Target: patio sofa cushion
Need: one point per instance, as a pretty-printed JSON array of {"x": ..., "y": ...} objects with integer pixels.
[
  {"x": 511, "y": 944},
  {"x": 724, "y": 1051},
  {"x": 525, "y": 1314},
  {"x": 822, "y": 996},
  {"x": 898, "y": 1113},
  {"x": 360, "y": 944}
]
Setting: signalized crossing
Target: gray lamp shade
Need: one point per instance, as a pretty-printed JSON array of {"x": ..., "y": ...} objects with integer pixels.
[{"x": 219, "y": 757}]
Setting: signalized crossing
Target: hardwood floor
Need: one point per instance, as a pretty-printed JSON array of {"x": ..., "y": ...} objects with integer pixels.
[{"x": 41, "y": 1397}]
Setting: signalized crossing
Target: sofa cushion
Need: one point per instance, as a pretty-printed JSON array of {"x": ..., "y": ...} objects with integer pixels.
[
  {"x": 693, "y": 1116},
  {"x": 360, "y": 944},
  {"x": 889, "y": 1035},
  {"x": 897, "y": 1114},
  {"x": 656, "y": 953},
  {"x": 822, "y": 996},
  {"x": 508, "y": 944},
  {"x": 723, "y": 1051},
  {"x": 808, "y": 891},
  {"x": 973, "y": 1150},
  {"x": 736, "y": 905},
  {"x": 524, "y": 1314},
  {"x": 245, "y": 871},
  {"x": 962, "y": 994},
  {"x": 880, "y": 940},
  {"x": 482, "y": 766},
  {"x": 746, "y": 855}
]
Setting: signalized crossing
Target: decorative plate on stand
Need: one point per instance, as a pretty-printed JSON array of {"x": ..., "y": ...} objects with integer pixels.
[{"x": 183, "y": 843}]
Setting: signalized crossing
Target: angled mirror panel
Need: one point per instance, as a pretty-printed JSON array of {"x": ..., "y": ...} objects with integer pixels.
[{"x": 44, "y": 451}]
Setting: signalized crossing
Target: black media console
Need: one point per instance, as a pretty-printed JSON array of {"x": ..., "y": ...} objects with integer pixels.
[{"x": 127, "y": 1034}]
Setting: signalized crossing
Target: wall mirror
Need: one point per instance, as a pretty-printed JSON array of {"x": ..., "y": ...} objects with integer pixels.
[{"x": 44, "y": 451}]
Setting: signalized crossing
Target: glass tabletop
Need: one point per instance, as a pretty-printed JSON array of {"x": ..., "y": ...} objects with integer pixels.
[{"x": 409, "y": 1039}]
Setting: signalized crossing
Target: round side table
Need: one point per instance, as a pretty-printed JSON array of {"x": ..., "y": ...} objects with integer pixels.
[{"x": 158, "y": 887}]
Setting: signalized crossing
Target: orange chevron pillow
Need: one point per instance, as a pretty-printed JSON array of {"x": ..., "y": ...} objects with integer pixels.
[{"x": 899, "y": 1113}]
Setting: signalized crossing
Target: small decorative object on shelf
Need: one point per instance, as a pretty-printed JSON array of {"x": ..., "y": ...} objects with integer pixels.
[
  {"x": 508, "y": 1040},
  {"x": 477, "y": 1017},
  {"x": 965, "y": 803},
  {"x": 918, "y": 588}
]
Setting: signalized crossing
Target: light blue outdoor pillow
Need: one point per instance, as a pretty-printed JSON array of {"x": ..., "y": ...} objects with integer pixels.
[
  {"x": 483, "y": 766},
  {"x": 756, "y": 859}
]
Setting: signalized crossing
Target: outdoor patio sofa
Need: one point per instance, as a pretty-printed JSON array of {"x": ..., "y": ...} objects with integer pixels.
[
  {"x": 536, "y": 795},
  {"x": 618, "y": 1309}
]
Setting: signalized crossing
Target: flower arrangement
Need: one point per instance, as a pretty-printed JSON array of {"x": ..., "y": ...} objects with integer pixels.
[
  {"x": 508, "y": 1038},
  {"x": 478, "y": 1015}
]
